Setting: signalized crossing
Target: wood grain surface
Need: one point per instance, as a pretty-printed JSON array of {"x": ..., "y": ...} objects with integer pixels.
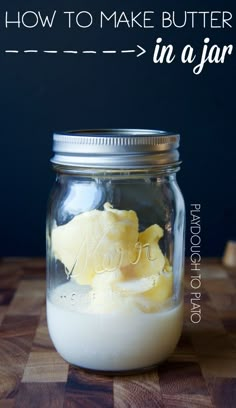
[{"x": 201, "y": 372}]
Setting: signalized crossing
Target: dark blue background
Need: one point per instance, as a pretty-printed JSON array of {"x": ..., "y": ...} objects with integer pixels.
[{"x": 42, "y": 93}]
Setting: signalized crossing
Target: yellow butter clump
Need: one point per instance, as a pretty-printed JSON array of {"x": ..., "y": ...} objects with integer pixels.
[
  {"x": 95, "y": 241},
  {"x": 104, "y": 249}
]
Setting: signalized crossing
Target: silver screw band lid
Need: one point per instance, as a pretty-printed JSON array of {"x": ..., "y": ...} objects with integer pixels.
[{"x": 115, "y": 148}]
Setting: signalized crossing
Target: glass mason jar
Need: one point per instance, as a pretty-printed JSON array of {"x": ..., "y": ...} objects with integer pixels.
[{"x": 115, "y": 248}]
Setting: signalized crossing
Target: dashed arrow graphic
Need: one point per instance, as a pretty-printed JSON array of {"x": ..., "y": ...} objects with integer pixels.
[{"x": 140, "y": 51}]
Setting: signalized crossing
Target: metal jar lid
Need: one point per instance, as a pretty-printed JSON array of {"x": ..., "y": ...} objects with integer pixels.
[{"x": 115, "y": 148}]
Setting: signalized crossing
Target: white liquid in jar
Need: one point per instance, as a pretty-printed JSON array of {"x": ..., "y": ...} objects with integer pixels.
[{"x": 125, "y": 338}]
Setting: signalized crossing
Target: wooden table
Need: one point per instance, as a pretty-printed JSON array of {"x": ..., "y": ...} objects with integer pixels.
[{"x": 201, "y": 372}]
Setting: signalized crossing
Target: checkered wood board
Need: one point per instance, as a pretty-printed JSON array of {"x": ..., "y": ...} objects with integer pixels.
[{"x": 201, "y": 372}]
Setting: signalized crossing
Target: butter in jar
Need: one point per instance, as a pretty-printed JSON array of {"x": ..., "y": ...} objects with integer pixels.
[{"x": 115, "y": 248}]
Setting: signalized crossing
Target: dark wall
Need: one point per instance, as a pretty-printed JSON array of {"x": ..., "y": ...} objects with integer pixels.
[{"x": 42, "y": 93}]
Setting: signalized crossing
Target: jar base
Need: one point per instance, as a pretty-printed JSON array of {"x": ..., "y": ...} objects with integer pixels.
[{"x": 134, "y": 371}]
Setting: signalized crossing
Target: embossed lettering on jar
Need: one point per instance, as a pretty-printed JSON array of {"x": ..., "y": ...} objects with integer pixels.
[{"x": 115, "y": 248}]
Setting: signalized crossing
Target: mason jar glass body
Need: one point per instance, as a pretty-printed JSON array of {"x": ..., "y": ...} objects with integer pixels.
[{"x": 115, "y": 255}]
